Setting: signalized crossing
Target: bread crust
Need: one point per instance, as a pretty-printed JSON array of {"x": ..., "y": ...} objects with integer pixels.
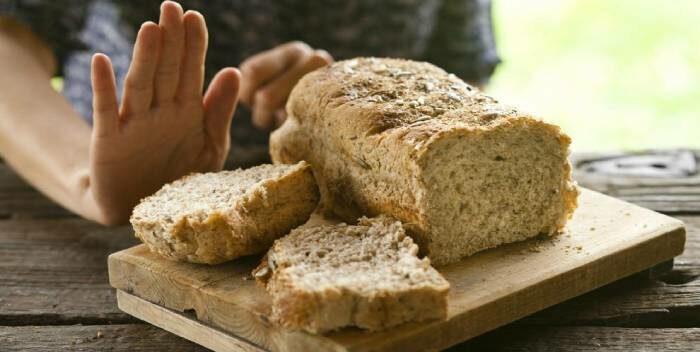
[
  {"x": 249, "y": 225},
  {"x": 369, "y": 126},
  {"x": 357, "y": 298}
]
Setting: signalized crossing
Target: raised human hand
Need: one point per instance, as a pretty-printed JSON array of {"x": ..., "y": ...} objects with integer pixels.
[
  {"x": 267, "y": 79},
  {"x": 165, "y": 127}
]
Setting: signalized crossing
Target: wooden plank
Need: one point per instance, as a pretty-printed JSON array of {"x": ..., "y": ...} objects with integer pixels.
[
  {"x": 667, "y": 206},
  {"x": 629, "y": 303},
  {"x": 20, "y": 200},
  {"x": 127, "y": 338},
  {"x": 607, "y": 239},
  {"x": 139, "y": 337},
  {"x": 509, "y": 338},
  {"x": 584, "y": 339},
  {"x": 181, "y": 325},
  {"x": 691, "y": 255},
  {"x": 55, "y": 272},
  {"x": 671, "y": 300},
  {"x": 34, "y": 291}
]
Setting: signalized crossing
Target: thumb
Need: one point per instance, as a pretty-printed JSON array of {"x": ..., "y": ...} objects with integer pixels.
[{"x": 219, "y": 104}]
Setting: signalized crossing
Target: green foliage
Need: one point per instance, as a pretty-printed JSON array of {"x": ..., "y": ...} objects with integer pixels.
[{"x": 620, "y": 74}]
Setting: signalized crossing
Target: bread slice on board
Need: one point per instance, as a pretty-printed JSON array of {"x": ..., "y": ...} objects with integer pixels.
[
  {"x": 330, "y": 276},
  {"x": 215, "y": 217},
  {"x": 461, "y": 170}
]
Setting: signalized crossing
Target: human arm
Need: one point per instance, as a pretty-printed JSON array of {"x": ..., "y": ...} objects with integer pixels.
[
  {"x": 164, "y": 128},
  {"x": 41, "y": 136}
]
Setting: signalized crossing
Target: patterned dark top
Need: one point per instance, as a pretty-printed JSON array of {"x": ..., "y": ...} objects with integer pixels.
[{"x": 454, "y": 34}]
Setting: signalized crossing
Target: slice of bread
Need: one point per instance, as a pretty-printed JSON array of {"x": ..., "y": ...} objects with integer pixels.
[
  {"x": 215, "y": 217},
  {"x": 326, "y": 277}
]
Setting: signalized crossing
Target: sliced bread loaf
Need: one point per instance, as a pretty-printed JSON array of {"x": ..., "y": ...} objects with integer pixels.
[
  {"x": 214, "y": 217},
  {"x": 461, "y": 170},
  {"x": 326, "y": 277}
]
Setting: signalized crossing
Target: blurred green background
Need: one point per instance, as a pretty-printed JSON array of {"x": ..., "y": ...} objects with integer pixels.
[{"x": 620, "y": 74}]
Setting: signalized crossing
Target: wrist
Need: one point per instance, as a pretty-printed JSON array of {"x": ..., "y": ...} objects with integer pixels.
[{"x": 103, "y": 210}]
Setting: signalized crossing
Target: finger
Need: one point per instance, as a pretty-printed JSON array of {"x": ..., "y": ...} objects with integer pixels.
[
  {"x": 104, "y": 96},
  {"x": 272, "y": 96},
  {"x": 138, "y": 84},
  {"x": 173, "y": 35},
  {"x": 192, "y": 73},
  {"x": 263, "y": 67},
  {"x": 324, "y": 55},
  {"x": 219, "y": 104},
  {"x": 280, "y": 117}
]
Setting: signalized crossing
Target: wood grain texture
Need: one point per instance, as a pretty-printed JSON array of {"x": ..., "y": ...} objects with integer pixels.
[
  {"x": 690, "y": 260},
  {"x": 509, "y": 338},
  {"x": 671, "y": 300},
  {"x": 670, "y": 194},
  {"x": 628, "y": 303},
  {"x": 585, "y": 339},
  {"x": 606, "y": 240},
  {"x": 19, "y": 200},
  {"x": 126, "y": 337},
  {"x": 55, "y": 272},
  {"x": 183, "y": 325},
  {"x": 48, "y": 276}
]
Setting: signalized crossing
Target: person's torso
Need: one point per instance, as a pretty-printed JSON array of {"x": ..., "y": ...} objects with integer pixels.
[{"x": 241, "y": 28}]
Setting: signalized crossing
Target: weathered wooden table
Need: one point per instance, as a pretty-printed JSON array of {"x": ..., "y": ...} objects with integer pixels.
[{"x": 54, "y": 292}]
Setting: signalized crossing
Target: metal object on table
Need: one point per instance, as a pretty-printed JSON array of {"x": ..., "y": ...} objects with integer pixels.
[
  {"x": 675, "y": 163},
  {"x": 666, "y": 181}
]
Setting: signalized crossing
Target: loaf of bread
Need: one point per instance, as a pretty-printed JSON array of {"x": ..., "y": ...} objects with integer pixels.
[
  {"x": 461, "y": 170},
  {"x": 326, "y": 277},
  {"x": 215, "y": 217}
]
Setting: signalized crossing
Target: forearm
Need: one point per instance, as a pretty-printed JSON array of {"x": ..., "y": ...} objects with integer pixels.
[{"x": 41, "y": 136}]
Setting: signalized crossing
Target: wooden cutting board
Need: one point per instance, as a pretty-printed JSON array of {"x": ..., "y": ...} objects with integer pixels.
[{"x": 221, "y": 308}]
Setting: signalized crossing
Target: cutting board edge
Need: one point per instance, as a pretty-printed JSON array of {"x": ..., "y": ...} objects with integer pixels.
[
  {"x": 196, "y": 331},
  {"x": 469, "y": 317},
  {"x": 669, "y": 228}
]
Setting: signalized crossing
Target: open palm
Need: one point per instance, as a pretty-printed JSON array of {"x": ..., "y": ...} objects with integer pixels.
[{"x": 165, "y": 127}]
